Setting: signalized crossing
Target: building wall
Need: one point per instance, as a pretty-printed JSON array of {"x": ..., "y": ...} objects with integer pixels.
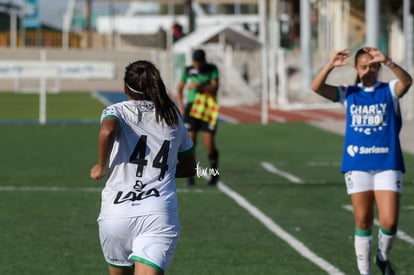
[{"x": 120, "y": 58}]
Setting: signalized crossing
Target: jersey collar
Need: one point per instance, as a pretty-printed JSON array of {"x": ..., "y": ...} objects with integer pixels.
[{"x": 370, "y": 88}]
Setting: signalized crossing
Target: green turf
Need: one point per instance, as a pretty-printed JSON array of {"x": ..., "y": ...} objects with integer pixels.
[
  {"x": 63, "y": 106},
  {"x": 312, "y": 211},
  {"x": 52, "y": 232}
]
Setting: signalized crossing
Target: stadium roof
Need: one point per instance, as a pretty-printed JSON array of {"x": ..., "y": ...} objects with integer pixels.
[{"x": 202, "y": 35}]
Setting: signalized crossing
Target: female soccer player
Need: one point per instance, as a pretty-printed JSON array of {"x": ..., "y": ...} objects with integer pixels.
[
  {"x": 372, "y": 158},
  {"x": 147, "y": 146}
]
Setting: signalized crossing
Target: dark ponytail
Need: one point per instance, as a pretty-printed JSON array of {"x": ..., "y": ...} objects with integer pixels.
[{"x": 143, "y": 81}]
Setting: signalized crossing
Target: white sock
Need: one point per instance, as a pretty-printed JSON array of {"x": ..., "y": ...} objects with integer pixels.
[
  {"x": 385, "y": 241},
  {"x": 363, "y": 246}
]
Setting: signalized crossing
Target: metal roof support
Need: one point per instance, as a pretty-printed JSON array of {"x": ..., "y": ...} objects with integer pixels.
[
  {"x": 306, "y": 44},
  {"x": 264, "y": 55},
  {"x": 372, "y": 22},
  {"x": 67, "y": 19},
  {"x": 89, "y": 23},
  {"x": 408, "y": 55},
  {"x": 189, "y": 12}
]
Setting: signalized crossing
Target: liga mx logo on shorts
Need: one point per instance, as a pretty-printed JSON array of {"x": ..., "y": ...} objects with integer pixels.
[{"x": 353, "y": 150}]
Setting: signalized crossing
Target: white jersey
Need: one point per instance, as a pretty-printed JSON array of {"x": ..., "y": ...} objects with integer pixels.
[{"x": 143, "y": 162}]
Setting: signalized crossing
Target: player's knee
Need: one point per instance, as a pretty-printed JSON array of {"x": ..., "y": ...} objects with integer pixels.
[
  {"x": 363, "y": 223},
  {"x": 389, "y": 225}
]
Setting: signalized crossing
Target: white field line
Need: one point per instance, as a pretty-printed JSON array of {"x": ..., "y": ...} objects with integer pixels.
[
  {"x": 400, "y": 234},
  {"x": 258, "y": 113},
  {"x": 272, "y": 169},
  {"x": 81, "y": 189},
  {"x": 254, "y": 211},
  {"x": 49, "y": 189},
  {"x": 228, "y": 119},
  {"x": 278, "y": 231},
  {"x": 102, "y": 98}
]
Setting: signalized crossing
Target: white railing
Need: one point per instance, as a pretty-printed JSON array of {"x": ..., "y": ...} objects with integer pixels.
[
  {"x": 43, "y": 70},
  {"x": 233, "y": 88}
]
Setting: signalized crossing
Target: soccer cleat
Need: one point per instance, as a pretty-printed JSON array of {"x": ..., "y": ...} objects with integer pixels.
[
  {"x": 190, "y": 181},
  {"x": 213, "y": 180},
  {"x": 384, "y": 266}
]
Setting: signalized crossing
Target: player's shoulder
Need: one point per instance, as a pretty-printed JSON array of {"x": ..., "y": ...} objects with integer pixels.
[
  {"x": 351, "y": 89},
  {"x": 116, "y": 105},
  {"x": 211, "y": 66},
  {"x": 189, "y": 68},
  {"x": 113, "y": 109},
  {"x": 381, "y": 85},
  {"x": 190, "y": 71}
]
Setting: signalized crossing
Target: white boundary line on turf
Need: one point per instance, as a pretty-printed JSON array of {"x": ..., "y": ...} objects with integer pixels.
[
  {"x": 49, "y": 189},
  {"x": 102, "y": 98},
  {"x": 278, "y": 231},
  {"x": 272, "y": 169},
  {"x": 400, "y": 234},
  {"x": 80, "y": 189},
  {"x": 228, "y": 119}
]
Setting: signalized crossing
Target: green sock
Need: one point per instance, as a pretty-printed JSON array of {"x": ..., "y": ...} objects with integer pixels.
[{"x": 363, "y": 232}]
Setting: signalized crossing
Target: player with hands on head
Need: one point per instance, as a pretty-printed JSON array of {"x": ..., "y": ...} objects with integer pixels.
[
  {"x": 372, "y": 160},
  {"x": 142, "y": 146}
]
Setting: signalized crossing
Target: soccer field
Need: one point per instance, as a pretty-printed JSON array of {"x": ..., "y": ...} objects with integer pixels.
[{"x": 286, "y": 175}]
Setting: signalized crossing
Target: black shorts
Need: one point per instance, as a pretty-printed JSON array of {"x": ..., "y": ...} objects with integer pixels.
[{"x": 194, "y": 124}]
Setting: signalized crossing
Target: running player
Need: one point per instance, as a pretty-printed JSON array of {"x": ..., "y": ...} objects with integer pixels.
[
  {"x": 372, "y": 159},
  {"x": 147, "y": 146},
  {"x": 203, "y": 77}
]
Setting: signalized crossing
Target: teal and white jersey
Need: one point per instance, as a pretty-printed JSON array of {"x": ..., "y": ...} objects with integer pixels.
[{"x": 143, "y": 162}]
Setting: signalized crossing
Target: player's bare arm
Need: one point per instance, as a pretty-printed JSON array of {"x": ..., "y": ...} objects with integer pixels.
[
  {"x": 180, "y": 89},
  {"x": 194, "y": 85},
  {"x": 106, "y": 138},
  {"x": 319, "y": 84},
  {"x": 210, "y": 88},
  {"x": 404, "y": 78}
]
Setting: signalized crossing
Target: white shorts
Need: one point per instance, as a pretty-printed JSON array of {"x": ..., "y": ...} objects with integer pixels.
[
  {"x": 150, "y": 240},
  {"x": 361, "y": 181}
]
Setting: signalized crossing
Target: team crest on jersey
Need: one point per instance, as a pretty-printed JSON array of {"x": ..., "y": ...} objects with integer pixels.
[
  {"x": 108, "y": 111},
  {"x": 141, "y": 112},
  {"x": 193, "y": 71},
  {"x": 139, "y": 186},
  {"x": 348, "y": 180}
]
